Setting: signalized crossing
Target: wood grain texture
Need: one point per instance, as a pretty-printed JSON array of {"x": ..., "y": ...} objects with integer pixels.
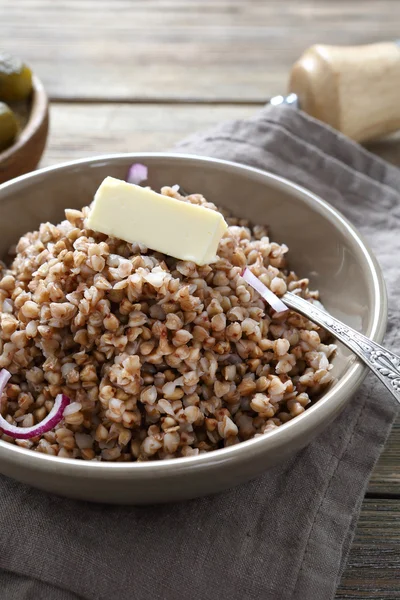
[
  {"x": 210, "y": 50},
  {"x": 80, "y": 130},
  {"x": 373, "y": 568},
  {"x": 385, "y": 479},
  {"x": 388, "y": 148},
  {"x": 83, "y": 129}
]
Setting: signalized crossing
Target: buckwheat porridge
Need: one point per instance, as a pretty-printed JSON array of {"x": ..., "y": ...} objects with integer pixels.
[{"x": 157, "y": 357}]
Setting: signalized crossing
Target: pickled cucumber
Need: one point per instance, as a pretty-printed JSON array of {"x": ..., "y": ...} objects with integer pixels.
[
  {"x": 15, "y": 79},
  {"x": 8, "y": 126}
]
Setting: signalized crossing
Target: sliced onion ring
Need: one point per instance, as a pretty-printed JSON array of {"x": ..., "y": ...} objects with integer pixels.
[
  {"x": 273, "y": 300},
  {"x": 137, "y": 173},
  {"x": 48, "y": 423}
]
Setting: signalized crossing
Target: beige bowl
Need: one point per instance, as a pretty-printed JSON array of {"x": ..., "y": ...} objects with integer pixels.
[{"x": 323, "y": 246}]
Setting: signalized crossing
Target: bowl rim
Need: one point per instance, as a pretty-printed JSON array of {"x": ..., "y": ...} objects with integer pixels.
[
  {"x": 37, "y": 115},
  {"x": 342, "y": 390}
]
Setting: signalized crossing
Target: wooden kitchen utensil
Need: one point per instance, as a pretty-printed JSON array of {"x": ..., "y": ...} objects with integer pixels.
[{"x": 355, "y": 89}]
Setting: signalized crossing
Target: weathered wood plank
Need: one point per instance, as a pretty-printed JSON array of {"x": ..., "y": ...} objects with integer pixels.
[
  {"x": 373, "y": 568},
  {"x": 388, "y": 149},
  {"x": 83, "y": 129},
  {"x": 79, "y": 130},
  {"x": 181, "y": 49},
  {"x": 386, "y": 476}
]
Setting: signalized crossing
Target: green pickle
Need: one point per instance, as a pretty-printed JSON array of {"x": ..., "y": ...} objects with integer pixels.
[
  {"x": 15, "y": 79},
  {"x": 8, "y": 126}
]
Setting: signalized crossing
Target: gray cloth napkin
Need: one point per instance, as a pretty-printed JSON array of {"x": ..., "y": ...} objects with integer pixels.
[{"x": 285, "y": 535}]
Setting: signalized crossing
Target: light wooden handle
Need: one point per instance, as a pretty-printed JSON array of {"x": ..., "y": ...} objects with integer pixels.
[{"x": 355, "y": 89}]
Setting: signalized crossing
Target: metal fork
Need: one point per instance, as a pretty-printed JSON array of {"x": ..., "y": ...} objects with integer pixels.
[{"x": 384, "y": 363}]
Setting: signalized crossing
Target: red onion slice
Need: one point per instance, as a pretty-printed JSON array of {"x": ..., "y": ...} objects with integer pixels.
[
  {"x": 137, "y": 173},
  {"x": 4, "y": 377},
  {"x": 48, "y": 423},
  {"x": 273, "y": 300}
]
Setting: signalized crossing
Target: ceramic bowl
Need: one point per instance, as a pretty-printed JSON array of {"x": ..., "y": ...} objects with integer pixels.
[{"x": 323, "y": 246}]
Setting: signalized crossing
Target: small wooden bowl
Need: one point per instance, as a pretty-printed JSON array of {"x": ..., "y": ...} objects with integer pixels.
[{"x": 24, "y": 155}]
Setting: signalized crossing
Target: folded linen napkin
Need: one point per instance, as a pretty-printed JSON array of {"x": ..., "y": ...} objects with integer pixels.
[{"x": 283, "y": 536}]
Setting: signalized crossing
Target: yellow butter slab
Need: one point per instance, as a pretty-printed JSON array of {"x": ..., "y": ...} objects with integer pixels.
[{"x": 134, "y": 214}]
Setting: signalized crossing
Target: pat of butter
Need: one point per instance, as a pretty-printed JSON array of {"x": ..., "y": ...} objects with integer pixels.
[{"x": 134, "y": 214}]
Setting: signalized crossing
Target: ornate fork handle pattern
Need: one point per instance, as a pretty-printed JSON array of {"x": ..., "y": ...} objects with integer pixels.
[{"x": 381, "y": 361}]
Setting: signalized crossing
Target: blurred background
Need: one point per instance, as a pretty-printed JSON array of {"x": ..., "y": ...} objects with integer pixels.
[{"x": 126, "y": 75}]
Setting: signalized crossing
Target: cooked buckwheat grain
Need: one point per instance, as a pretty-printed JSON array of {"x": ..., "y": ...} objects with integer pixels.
[{"x": 161, "y": 358}]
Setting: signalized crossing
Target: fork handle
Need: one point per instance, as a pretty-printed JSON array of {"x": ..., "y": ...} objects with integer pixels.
[
  {"x": 381, "y": 361},
  {"x": 355, "y": 89}
]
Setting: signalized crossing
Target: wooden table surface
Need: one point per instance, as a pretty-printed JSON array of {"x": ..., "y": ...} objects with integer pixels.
[{"x": 133, "y": 75}]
